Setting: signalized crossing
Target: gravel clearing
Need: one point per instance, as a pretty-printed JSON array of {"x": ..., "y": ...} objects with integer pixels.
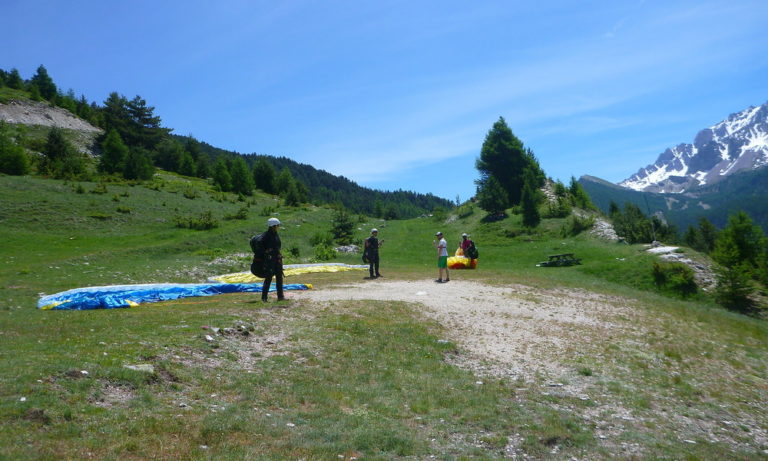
[{"x": 513, "y": 331}]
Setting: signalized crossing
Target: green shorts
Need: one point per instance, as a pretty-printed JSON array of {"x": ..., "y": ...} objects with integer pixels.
[{"x": 442, "y": 262}]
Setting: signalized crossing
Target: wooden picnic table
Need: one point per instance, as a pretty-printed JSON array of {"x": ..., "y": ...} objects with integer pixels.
[{"x": 563, "y": 259}]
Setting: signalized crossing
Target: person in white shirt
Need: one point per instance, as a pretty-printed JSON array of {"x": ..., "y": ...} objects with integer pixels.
[{"x": 442, "y": 258}]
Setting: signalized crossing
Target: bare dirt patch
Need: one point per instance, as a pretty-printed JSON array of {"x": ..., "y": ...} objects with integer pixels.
[{"x": 512, "y": 331}]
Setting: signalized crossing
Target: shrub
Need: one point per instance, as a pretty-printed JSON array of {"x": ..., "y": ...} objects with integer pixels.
[
  {"x": 674, "y": 277},
  {"x": 190, "y": 193},
  {"x": 204, "y": 222},
  {"x": 242, "y": 213},
  {"x": 99, "y": 189},
  {"x": 123, "y": 209},
  {"x": 466, "y": 210},
  {"x": 560, "y": 208},
  {"x": 13, "y": 159},
  {"x": 294, "y": 251},
  {"x": 321, "y": 238},
  {"x": 268, "y": 211},
  {"x": 324, "y": 253},
  {"x": 575, "y": 225}
]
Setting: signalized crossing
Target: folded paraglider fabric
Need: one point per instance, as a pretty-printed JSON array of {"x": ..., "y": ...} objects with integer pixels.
[
  {"x": 108, "y": 297},
  {"x": 288, "y": 270},
  {"x": 461, "y": 262}
]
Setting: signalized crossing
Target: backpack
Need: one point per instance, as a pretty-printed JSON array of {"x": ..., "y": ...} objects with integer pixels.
[
  {"x": 258, "y": 265},
  {"x": 471, "y": 251}
]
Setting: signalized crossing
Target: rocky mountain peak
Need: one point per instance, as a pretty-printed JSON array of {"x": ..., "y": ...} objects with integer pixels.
[{"x": 738, "y": 143}]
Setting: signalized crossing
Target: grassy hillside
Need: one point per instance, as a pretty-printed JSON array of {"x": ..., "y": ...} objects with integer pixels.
[{"x": 366, "y": 380}]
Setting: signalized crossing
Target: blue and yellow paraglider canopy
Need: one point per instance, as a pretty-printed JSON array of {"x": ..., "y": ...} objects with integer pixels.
[{"x": 118, "y": 296}]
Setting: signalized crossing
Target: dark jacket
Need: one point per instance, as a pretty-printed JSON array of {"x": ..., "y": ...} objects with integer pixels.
[
  {"x": 272, "y": 247},
  {"x": 372, "y": 248}
]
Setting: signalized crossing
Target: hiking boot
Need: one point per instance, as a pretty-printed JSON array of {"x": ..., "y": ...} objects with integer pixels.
[
  {"x": 447, "y": 280},
  {"x": 379, "y": 275},
  {"x": 439, "y": 281}
]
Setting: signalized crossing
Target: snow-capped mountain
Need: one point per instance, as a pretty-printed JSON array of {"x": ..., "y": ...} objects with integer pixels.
[{"x": 735, "y": 144}]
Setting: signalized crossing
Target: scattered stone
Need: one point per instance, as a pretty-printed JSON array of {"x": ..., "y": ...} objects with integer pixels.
[
  {"x": 209, "y": 338},
  {"x": 351, "y": 249},
  {"x": 146, "y": 367}
]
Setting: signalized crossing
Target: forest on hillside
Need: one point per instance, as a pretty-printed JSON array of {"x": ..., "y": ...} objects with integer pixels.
[{"x": 134, "y": 142}]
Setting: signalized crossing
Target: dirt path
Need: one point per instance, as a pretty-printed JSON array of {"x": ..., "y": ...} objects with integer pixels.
[{"x": 513, "y": 331}]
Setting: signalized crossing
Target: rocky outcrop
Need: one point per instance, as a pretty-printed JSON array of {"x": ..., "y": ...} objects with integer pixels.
[{"x": 38, "y": 113}]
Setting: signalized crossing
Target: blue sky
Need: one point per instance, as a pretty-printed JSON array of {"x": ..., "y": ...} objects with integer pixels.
[{"x": 400, "y": 94}]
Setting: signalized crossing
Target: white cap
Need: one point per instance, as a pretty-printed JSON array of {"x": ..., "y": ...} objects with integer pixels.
[
  {"x": 438, "y": 233},
  {"x": 464, "y": 235},
  {"x": 273, "y": 222},
  {"x": 374, "y": 230}
]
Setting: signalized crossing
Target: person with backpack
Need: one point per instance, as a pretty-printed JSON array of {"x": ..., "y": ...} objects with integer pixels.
[
  {"x": 371, "y": 253},
  {"x": 267, "y": 259},
  {"x": 468, "y": 247}
]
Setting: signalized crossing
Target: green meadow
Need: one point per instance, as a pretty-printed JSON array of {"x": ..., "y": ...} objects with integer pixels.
[{"x": 346, "y": 379}]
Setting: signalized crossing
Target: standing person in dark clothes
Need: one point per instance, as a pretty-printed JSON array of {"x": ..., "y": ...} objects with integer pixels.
[
  {"x": 273, "y": 260},
  {"x": 372, "y": 245}
]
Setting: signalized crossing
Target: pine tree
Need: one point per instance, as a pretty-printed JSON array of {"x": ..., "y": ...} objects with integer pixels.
[
  {"x": 708, "y": 233},
  {"x": 60, "y": 158},
  {"x": 342, "y": 227},
  {"x": 187, "y": 165},
  {"x": 168, "y": 154},
  {"x": 242, "y": 178},
  {"x": 283, "y": 181},
  {"x": 14, "y": 80},
  {"x": 221, "y": 177},
  {"x": 264, "y": 176},
  {"x": 44, "y": 83},
  {"x": 529, "y": 201},
  {"x": 113, "y": 153},
  {"x": 291, "y": 195},
  {"x": 504, "y": 157},
  {"x": 203, "y": 167},
  {"x": 491, "y": 196},
  {"x": 138, "y": 165}
]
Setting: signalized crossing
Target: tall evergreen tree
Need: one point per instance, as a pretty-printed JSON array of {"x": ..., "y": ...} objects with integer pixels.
[
  {"x": 740, "y": 242},
  {"x": 579, "y": 196},
  {"x": 44, "y": 83},
  {"x": 115, "y": 115},
  {"x": 529, "y": 201},
  {"x": 283, "y": 181},
  {"x": 187, "y": 165},
  {"x": 203, "y": 167},
  {"x": 113, "y": 153},
  {"x": 504, "y": 157},
  {"x": 708, "y": 233},
  {"x": 221, "y": 177},
  {"x": 146, "y": 131},
  {"x": 264, "y": 176},
  {"x": 14, "y": 80},
  {"x": 242, "y": 178}
]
